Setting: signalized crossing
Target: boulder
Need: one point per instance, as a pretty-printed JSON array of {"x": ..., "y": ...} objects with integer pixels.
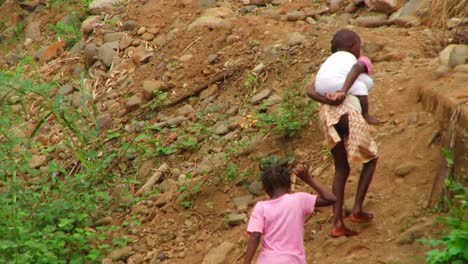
[
  {"x": 446, "y": 54},
  {"x": 371, "y": 21},
  {"x": 411, "y": 8},
  {"x": 219, "y": 255},
  {"x": 98, "y": 6}
]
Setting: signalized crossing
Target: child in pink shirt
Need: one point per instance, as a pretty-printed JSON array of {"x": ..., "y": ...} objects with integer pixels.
[{"x": 280, "y": 220}]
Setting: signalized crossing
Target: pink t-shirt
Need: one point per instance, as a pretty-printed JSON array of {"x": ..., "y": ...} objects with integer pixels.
[{"x": 281, "y": 221}]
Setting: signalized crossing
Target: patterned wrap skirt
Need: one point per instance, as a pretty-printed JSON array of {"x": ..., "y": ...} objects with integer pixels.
[{"x": 360, "y": 145}]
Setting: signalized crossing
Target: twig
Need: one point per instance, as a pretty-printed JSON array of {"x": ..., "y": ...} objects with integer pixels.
[{"x": 152, "y": 180}]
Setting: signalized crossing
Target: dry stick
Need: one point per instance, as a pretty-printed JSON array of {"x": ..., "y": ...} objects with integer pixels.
[
  {"x": 447, "y": 169},
  {"x": 217, "y": 78},
  {"x": 152, "y": 180}
]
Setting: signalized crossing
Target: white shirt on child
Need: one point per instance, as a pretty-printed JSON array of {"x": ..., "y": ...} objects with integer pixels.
[{"x": 333, "y": 72}]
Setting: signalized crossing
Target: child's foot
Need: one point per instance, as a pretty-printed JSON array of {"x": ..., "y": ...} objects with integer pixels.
[
  {"x": 361, "y": 217},
  {"x": 342, "y": 231},
  {"x": 371, "y": 120}
]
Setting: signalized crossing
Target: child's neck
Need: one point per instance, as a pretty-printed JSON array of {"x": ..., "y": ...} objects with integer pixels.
[{"x": 279, "y": 192}]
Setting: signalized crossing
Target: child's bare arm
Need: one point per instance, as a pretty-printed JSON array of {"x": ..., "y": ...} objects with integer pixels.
[
  {"x": 325, "y": 197},
  {"x": 353, "y": 74},
  {"x": 252, "y": 246},
  {"x": 336, "y": 100}
]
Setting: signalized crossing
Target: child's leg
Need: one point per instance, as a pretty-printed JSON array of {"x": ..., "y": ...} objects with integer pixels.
[
  {"x": 363, "y": 100},
  {"x": 357, "y": 214},
  {"x": 342, "y": 171}
]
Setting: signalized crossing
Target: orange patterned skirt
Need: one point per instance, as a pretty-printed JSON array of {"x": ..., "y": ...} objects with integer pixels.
[{"x": 360, "y": 145}]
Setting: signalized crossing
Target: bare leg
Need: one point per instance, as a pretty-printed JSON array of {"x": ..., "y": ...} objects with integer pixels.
[
  {"x": 367, "y": 173},
  {"x": 342, "y": 171},
  {"x": 363, "y": 100}
]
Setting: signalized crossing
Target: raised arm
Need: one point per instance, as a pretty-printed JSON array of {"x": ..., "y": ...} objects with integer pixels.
[
  {"x": 325, "y": 197},
  {"x": 335, "y": 99},
  {"x": 356, "y": 70}
]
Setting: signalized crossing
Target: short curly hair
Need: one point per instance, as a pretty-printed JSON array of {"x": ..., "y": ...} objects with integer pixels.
[
  {"x": 343, "y": 40},
  {"x": 276, "y": 177}
]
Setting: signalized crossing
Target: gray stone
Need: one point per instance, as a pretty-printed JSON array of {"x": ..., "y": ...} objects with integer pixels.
[
  {"x": 236, "y": 219},
  {"x": 150, "y": 86},
  {"x": 130, "y": 25},
  {"x": 209, "y": 22},
  {"x": 256, "y": 188},
  {"x": 446, "y": 53},
  {"x": 462, "y": 68},
  {"x": 404, "y": 169},
  {"x": 441, "y": 71},
  {"x": 219, "y": 255},
  {"x": 206, "y": 3},
  {"x": 211, "y": 162},
  {"x": 145, "y": 170},
  {"x": 121, "y": 253},
  {"x": 372, "y": 47},
  {"x": 125, "y": 42},
  {"x": 107, "y": 53},
  {"x": 256, "y": 99},
  {"x": 103, "y": 120},
  {"x": 210, "y": 91},
  {"x": 112, "y": 37},
  {"x": 168, "y": 185},
  {"x": 213, "y": 58},
  {"x": 147, "y": 36},
  {"x": 12, "y": 59},
  {"x": 90, "y": 55},
  {"x": 185, "y": 110},
  {"x": 185, "y": 58},
  {"x": 33, "y": 30},
  {"x": 371, "y": 21},
  {"x": 39, "y": 53},
  {"x": 133, "y": 103},
  {"x": 296, "y": 15},
  {"x": 411, "y": 8},
  {"x": 77, "y": 48},
  {"x": 458, "y": 56},
  {"x": 296, "y": 38},
  {"x": 37, "y": 161},
  {"x": 242, "y": 202},
  {"x": 164, "y": 199},
  {"x": 72, "y": 19},
  {"x": 311, "y": 21},
  {"x": 222, "y": 129},
  {"x": 90, "y": 23},
  {"x": 66, "y": 89},
  {"x": 383, "y": 6},
  {"x": 175, "y": 121},
  {"x": 259, "y": 68},
  {"x": 98, "y": 6}
]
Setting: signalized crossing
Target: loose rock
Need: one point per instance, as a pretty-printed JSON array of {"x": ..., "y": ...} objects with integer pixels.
[
  {"x": 90, "y": 54},
  {"x": 242, "y": 202},
  {"x": 133, "y": 103},
  {"x": 404, "y": 169},
  {"x": 220, "y": 254},
  {"x": 121, "y": 253},
  {"x": 236, "y": 219},
  {"x": 256, "y": 188},
  {"x": 90, "y": 23},
  {"x": 371, "y": 21},
  {"x": 185, "y": 110},
  {"x": 441, "y": 71},
  {"x": 296, "y": 15},
  {"x": 33, "y": 30},
  {"x": 458, "y": 56},
  {"x": 98, "y": 6},
  {"x": 210, "y": 91},
  {"x": 296, "y": 38},
  {"x": 222, "y": 129},
  {"x": 103, "y": 120},
  {"x": 147, "y": 36},
  {"x": 256, "y": 99},
  {"x": 164, "y": 199},
  {"x": 113, "y": 37},
  {"x": 37, "y": 161},
  {"x": 150, "y": 86},
  {"x": 383, "y": 6},
  {"x": 107, "y": 53}
]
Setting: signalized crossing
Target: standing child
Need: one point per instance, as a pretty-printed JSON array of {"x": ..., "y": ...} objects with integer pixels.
[
  {"x": 338, "y": 71},
  {"x": 280, "y": 220}
]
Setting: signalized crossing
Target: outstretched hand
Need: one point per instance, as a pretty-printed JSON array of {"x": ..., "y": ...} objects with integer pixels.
[{"x": 301, "y": 171}]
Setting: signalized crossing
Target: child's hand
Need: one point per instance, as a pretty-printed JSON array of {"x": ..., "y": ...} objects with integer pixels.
[
  {"x": 301, "y": 171},
  {"x": 336, "y": 98}
]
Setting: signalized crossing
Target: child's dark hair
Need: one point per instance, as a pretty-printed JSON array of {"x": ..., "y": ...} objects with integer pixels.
[
  {"x": 343, "y": 40},
  {"x": 275, "y": 177}
]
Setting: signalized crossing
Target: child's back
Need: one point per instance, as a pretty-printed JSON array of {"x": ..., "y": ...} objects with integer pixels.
[
  {"x": 281, "y": 221},
  {"x": 334, "y": 71}
]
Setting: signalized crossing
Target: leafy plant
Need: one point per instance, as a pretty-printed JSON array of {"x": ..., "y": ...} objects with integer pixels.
[
  {"x": 160, "y": 99},
  {"x": 451, "y": 248},
  {"x": 289, "y": 118},
  {"x": 47, "y": 220},
  {"x": 232, "y": 172},
  {"x": 251, "y": 82},
  {"x": 19, "y": 30},
  {"x": 70, "y": 33},
  {"x": 187, "y": 192},
  {"x": 187, "y": 143}
]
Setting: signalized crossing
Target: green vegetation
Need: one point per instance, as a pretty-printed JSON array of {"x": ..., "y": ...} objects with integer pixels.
[
  {"x": 251, "y": 82},
  {"x": 187, "y": 143},
  {"x": 19, "y": 31},
  {"x": 69, "y": 33},
  {"x": 187, "y": 192},
  {"x": 452, "y": 248},
  {"x": 289, "y": 118},
  {"x": 46, "y": 213}
]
